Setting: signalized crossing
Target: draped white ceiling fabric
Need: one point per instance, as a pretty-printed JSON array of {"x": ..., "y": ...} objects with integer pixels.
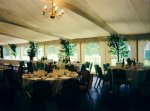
[{"x": 22, "y": 20}]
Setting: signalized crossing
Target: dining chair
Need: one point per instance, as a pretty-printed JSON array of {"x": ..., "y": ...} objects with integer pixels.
[
  {"x": 119, "y": 78},
  {"x": 21, "y": 101},
  {"x": 83, "y": 67},
  {"x": 86, "y": 83},
  {"x": 48, "y": 68},
  {"x": 5, "y": 94},
  {"x": 22, "y": 63},
  {"x": 4, "y": 87},
  {"x": 13, "y": 80},
  {"x": 96, "y": 72},
  {"x": 38, "y": 64},
  {"x": 13, "y": 85},
  {"x": 104, "y": 78},
  {"x": 90, "y": 67},
  {"x": 42, "y": 90},
  {"x": 87, "y": 64},
  {"x": 144, "y": 87},
  {"x": 70, "y": 68},
  {"x": 29, "y": 67},
  {"x": 41, "y": 95},
  {"x": 105, "y": 67},
  {"x": 69, "y": 95}
]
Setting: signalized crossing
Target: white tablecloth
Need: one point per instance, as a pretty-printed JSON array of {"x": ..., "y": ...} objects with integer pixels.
[
  {"x": 134, "y": 76},
  {"x": 56, "y": 83}
]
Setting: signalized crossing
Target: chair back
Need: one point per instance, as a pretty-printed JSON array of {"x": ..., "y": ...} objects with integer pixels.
[
  {"x": 70, "y": 67},
  {"x": 99, "y": 70},
  {"x": 86, "y": 80},
  {"x": 85, "y": 75},
  {"x": 22, "y": 101},
  {"x": 105, "y": 67},
  {"x": 87, "y": 64},
  {"x": 48, "y": 68},
  {"x": 147, "y": 78},
  {"x": 90, "y": 68},
  {"x": 13, "y": 80},
  {"x": 70, "y": 88},
  {"x": 119, "y": 75},
  {"x": 42, "y": 90},
  {"x": 83, "y": 67},
  {"x": 38, "y": 64},
  {"x": 96, "y": 71},
  {"x": 22, "y": 63},
  {"x": 29, "y": 67},
  {"x": 4, "y": 86},
  {"x": 90, "y": 81}
]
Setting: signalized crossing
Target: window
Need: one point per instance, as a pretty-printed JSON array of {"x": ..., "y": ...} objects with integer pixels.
[
  {"x": 6, "y": 53},
  {"x": 147, "y": 54},
  {"x": 18, "y": 53},
  {"x": 92, "y": 54},
  {"x": 114, "y": 57},
  {"x": 73, "y": 57},
  {"x": 52, "y": 53},
  {"x": 40, "y": 52},
  {"x": 25, "y": 54}
]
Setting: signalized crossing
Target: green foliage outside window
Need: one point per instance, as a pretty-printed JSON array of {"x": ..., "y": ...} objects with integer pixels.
[
  {"x": 118, "y": 46},
  {"x": 25, "y": 50},
  {"x": 92, "y": 48},
  {"x": 6, "y": 51},
  {"x": 52, "y": 49}
]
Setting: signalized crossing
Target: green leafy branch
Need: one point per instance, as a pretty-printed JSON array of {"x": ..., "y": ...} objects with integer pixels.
[
  {"x": 117, "y": 46},
  {"x": 13, "y": 49},
  {"x": 33, "y": 49}
]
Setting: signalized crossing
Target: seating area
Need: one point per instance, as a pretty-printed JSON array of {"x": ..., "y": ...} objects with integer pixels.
[
  {"x": 75, "y": 55},
  {"x": 104, "y": 78},
  {"x": 104, "y": 102}
]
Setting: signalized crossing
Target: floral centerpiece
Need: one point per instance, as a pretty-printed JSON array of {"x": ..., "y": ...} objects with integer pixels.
[{"x": 43, "y": 59}]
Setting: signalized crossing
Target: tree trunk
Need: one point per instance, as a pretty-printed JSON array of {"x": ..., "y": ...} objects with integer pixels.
[
  {"x": 31, "y": 58},
  {"x": 67, "y": 59},
  {"x": 118, "y": 57}
]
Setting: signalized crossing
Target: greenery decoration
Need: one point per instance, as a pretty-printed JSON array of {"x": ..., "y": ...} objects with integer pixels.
[
  {"x": 33, "y": 49},
  {"x": 67, "y": 50},
  {"x": 117, "y": 46},
  {"x": 1, "y": 51},
  {"x": 13, "y": 49},
  {"x": 43, "y": 59}
]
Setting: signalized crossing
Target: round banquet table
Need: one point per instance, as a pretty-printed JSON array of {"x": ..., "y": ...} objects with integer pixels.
[
  {"x": 135, "y": 77},
  {"x": 56, "y": 82}
]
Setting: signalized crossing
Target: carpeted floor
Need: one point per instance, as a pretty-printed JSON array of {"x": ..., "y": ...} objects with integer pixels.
[{"x": 101, "y": 101}]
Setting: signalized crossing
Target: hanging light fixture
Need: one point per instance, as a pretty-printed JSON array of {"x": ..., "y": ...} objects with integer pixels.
[{"x": 53, "y": 11}]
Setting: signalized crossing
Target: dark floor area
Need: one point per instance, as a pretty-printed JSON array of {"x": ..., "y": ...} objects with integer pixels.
[{"x": 101, "y": 101}]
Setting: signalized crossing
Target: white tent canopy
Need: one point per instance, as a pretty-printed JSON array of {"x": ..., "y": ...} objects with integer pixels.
[{"x": 22, "y": 20}]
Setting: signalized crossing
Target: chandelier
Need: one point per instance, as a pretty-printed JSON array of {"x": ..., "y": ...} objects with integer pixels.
[{"x": 53, "y": 11}]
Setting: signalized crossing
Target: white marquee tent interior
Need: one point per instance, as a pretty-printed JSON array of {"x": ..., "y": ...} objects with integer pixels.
[
  {"x": 22, "y": 20},
  {"x": 83, "y": 23}
]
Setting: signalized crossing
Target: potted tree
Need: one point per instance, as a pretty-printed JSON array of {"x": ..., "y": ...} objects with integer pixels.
[
  {"x": 67, "y": 50},
  {"x": 13, "y": 49},
  {"x": 117, "y": 46},
  {"x": 33, "y": 49}
]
